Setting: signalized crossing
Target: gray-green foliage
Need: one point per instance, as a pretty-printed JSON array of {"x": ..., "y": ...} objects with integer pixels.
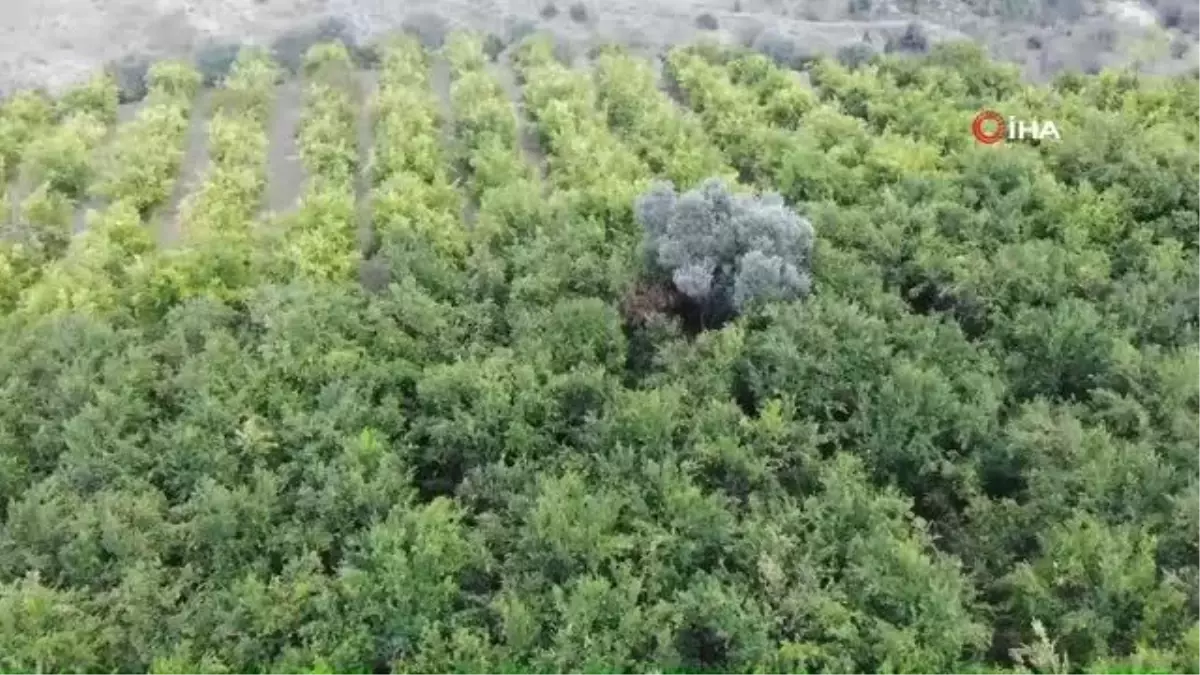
[{"x": 725, "y": 250}]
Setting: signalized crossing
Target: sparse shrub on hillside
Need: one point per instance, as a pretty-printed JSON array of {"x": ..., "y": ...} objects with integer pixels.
[
  {"x": 290, "y": 48},
  {"x": 366, "y": 55},
  {"x": 855, "y": 55},
  {"x": 707, "y": 21},
  {"x": 579, "y": 12},
  {"x": 427, "y": 27},
  {"x": 30, "y": 108},
  {"x": 493, "y": 45},
  {"x": 564, "y": 51},
  {"x": 21, "y": 117},
  {"x": 1179, "y": 47},
  {"x": 130, "y": 75},
  {"x": 783, "y": 49},
  {"x": 912, "y": 41},
  {"x": 548, "y": 11},
  {"x": 1170, "y": 14},
  {"x": 1104, "y": 39},
  {"x": 327, "y": 60},
  {"x": 724, "y": 250},
  {"x": 214, "y": 60}
]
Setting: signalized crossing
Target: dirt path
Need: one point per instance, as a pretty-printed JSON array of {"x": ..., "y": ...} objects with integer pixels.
[
  {"x": 191, "y": 170},
  {"x": 126, "y": 112},
  {"x": 285, "y": 171},
  {"x": 531, "y": 147},
  {"x": 369, "y": 85},
  {"x": 440, "y": 80},
  {"x": 18, "y": 190}
]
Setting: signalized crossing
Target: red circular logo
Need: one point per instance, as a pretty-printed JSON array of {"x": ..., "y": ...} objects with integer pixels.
[{"x": 982, "y": 134}]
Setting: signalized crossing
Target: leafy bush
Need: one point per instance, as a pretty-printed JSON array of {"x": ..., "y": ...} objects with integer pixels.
[
  {"x": 63, "y": 160},
  {"x": 48, "y": 214},
  {"x": 723, "y": 250},
  {"x": 98, "y": 269},
  {"x": 23, "y": 117},
  {"x": 174, "y": 80},
  {"x": 585, "y": 155},
  {"x": 129, "y": 172},
  {"x": 97, "y": 98}
]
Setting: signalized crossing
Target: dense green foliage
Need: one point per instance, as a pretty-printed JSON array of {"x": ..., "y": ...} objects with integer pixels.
[{"x": 449, "y": 414}]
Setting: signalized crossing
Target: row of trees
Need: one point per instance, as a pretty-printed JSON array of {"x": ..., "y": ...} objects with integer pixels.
[
  {"x": 48, "y": 159},
  {"x": 584, "y": 156},
  {"x": 672, "y": 144},
  {"x": 135, "y": 175},
  {"x": 320, "y": 240},
  {"x": 416, "y": 206},
  {"x": 218, "y": 219}
]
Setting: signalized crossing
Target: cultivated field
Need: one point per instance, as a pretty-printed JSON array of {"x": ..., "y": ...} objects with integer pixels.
[{"x": 507, "y": 355}]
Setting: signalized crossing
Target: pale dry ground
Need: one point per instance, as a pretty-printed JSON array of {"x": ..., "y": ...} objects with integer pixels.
[
  {"x": 285, "y": 171},
  {"x": 56, "y": 42},
  {"x": 53, "y": 43},
  {"x": 192, "y": 171}
]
